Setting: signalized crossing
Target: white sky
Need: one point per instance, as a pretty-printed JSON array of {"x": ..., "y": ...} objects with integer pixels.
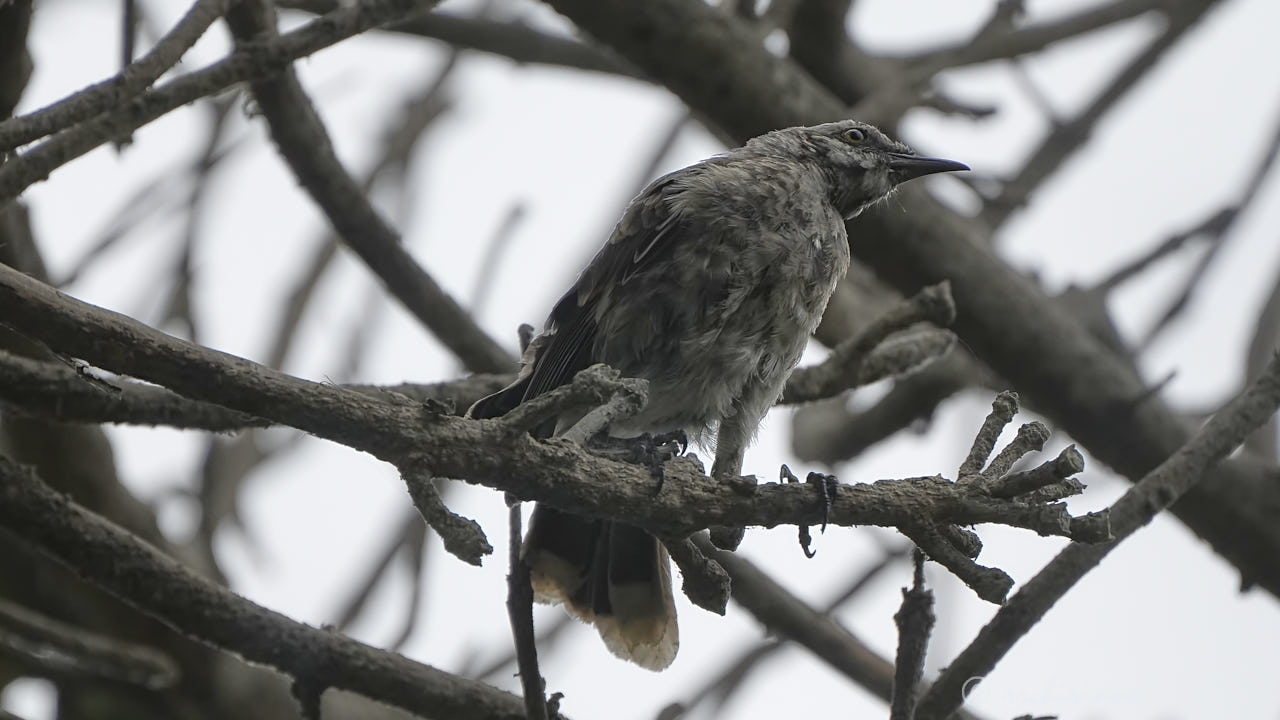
[{"x": 1159, "y": 631}]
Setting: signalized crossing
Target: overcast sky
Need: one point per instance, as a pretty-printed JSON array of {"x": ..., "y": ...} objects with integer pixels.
[{"x": 1158, "y": 631}]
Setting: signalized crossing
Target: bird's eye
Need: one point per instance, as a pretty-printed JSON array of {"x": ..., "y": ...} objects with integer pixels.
[{"x": 854, "y": 136}]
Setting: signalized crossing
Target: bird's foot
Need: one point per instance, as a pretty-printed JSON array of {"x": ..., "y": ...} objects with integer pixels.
[
  {"x": 827, "y": 486},
  {"x": 651, "y": 451}
]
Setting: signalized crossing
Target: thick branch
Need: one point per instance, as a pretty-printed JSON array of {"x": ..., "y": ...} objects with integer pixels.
[
  {"x": 1045, "y": 354},
  {"x": 56, "y": 392},
  {"x": 161, "y": 587},
  {"x": 487, "y": 452}
]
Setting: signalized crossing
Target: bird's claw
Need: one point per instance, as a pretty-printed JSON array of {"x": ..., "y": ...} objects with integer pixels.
[
  {"x": 651, "y": 451},
  {"x": 827, "y": 486},
  {"x": 678, "y": 440}
]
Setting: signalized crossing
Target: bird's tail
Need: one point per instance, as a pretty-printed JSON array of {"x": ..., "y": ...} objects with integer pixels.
[{"x": 612, "y": 575}]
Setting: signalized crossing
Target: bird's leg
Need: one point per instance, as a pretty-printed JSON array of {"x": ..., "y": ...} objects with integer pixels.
[{"x": 731, "y": 444}]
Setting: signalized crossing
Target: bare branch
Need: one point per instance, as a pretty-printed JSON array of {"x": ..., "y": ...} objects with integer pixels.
[
  {"x": 1068, "y": 463},
  {"x": 705, "y": 582},
  {"x": 915, "y": 623},
  {"x": 520, "y": 613},
  {"x": 1014, "y": 42},
  {"x": 56, "y": 392},
  {"x": 991, "y": 584},
  {"x": 1003, "y": 408},
  {"x": 840, "y": 371},
  {"x": 513, "y": 40},
  {"x": 412, "y": 530},
  {"x": 159, "y": 586},
  {"x": 492, "y": 452},
  {"x": 1153, "y": 494},
  {"x": 1031, "y": 438},
  {"x": 304, "y": 143},
  {"x": 249, "y": 62},
  {"x": 463, "y": 537},
  {"x": 109, "y": 94},
  {"x": 44, "y": 646},
  {"x": 1070, "y": 136}
]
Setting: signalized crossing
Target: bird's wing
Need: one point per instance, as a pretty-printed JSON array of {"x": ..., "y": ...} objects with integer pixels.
[{"x": 647, "y": 233}]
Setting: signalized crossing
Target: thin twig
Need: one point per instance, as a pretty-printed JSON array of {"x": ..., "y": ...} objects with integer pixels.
[
  {"x": 997, "y": 46},
  {"x": 463, "y": 537},
  {"x": 494, "y": 250},
  {"x": 1071, "y": 135},
  {"x": 249, "y": 62},
  {"x": 511, "y": 39},
  {"x": 1003, "y": 408},
  {"x": 1151, "y": 495},
  {"x": 108, "y": 94},
  {"x": 840, "y": 371},
  {"x": 520, "y": 613},
  {"x": 412, "y": 529},
  {"x": 41, "y": 645},
  {"x": 915, "y": 623},
  {"x": 721, "y": 686},
  {"x": 304, "y": 143}
]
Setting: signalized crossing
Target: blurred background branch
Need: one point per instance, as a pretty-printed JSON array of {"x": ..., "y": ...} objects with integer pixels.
[{"x": 482, "y": 151}]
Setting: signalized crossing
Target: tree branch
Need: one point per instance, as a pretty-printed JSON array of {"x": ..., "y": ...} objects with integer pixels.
[
  {"x": 842, "y": 369},
  {"x": 159, "y": 586},
  {"x": 915, "y": 621},
  {"x": 491, "y": 452},
  {"x": 44, "y": 646},
  {"x": 514, "y": 40},
  {"x": 250, "y": 62},
  {"x": 1150, "y": 496},
  {"x": 1065, "y": 139},
  {"x": 1046, "y": 354},
  {"x": 110, "y": 93},
  {"x": 302, "y": 140},
  {"x": 997, "y": 46}
]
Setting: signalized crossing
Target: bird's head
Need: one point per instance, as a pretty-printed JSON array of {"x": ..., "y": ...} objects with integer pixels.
[{"x": 861, "y": 164}]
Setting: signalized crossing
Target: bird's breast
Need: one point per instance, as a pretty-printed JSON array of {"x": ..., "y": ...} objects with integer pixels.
[{"x": 726, "y": 320}]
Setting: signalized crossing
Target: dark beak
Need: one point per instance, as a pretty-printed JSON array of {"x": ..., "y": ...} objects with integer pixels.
[{"x": 909, "y": 167}]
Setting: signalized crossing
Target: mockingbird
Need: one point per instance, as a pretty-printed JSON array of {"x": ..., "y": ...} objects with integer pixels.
[{"x": 709, "y": 288}]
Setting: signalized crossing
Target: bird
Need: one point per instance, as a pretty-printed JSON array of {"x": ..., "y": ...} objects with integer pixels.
[{"x": 709, "y": 288}]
